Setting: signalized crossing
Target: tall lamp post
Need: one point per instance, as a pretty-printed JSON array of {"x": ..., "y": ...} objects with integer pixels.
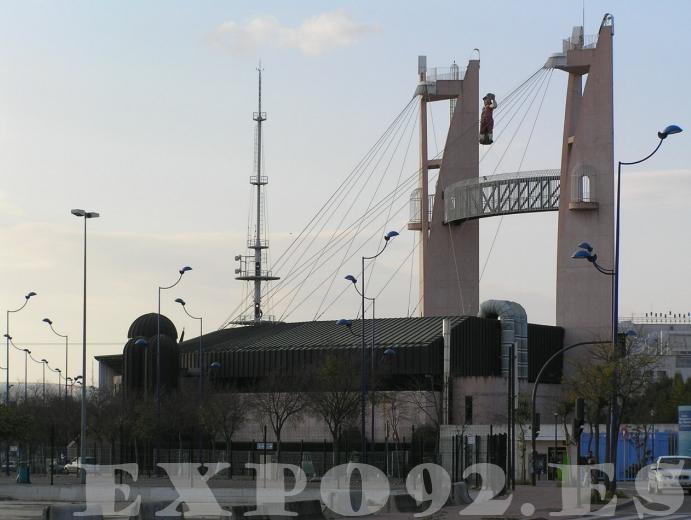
[
  {"x": 200, "y": 386},
  {"x": 363, "y": 353},
  {"x": 50, "y": 323},
  {"x": 44, "y": 362},
  {"x": 59, "y": 372},
  {"x": 27, "y": 352},
  {"x": 538, "y": 379},
  {"x": 353, "y": 281},
  {"x": 86, "y": 215},
  {"x": 181, "y": 272},
  {"x": 7, "y": 351},
  {"x": 614, "y": 420}
]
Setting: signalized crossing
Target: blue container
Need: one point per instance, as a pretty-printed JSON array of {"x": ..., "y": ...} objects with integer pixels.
[{"x": 23, "y": 473}]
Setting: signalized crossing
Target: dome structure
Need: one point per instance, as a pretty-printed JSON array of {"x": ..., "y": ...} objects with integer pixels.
[
  {"x": 133, "y": 366},
  {"x": 146, "y": 326}
]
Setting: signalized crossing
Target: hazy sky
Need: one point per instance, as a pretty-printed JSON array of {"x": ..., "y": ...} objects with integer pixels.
[{"x": 142, "y": 111}]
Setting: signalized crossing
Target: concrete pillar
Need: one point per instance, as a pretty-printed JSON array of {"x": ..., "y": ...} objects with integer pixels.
[
  {"x": 452, "y": 260},
  {"x": 586, "y": 207}
]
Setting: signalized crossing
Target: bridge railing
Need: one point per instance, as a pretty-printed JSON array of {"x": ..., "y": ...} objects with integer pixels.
[
  {"x": 415, "y": 207},
  {"x": 589, "y": 42},
  {"x": 518, "y": 192},
  {"x": 444, "y": 73}
]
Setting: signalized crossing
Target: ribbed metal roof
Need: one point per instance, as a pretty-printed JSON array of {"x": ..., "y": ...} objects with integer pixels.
[
  {"x": 234, "y": 338},
  {"x": 399, "y": 332}
]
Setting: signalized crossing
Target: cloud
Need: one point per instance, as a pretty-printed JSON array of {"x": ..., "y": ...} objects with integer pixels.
[{"x": 314, "y": 36}]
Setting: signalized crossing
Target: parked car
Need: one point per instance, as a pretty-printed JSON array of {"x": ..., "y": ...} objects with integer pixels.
[
  {"x": 670, "y": 473},
  {"x": 75, "y": 465}
]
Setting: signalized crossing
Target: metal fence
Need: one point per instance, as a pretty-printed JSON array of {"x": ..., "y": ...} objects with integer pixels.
[{"x": 460, "y": 451}]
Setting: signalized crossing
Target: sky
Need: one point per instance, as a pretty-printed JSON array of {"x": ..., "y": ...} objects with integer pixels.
[{"x": 142, "y": 111}]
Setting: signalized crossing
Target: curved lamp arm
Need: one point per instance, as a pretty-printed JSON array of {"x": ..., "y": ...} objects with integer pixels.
[
  {"x": 387, "y": 238},
  {"x": 182, "y": 272},
  {"x": 50, "y": 324},
  {"x": 183, "y": 304}
]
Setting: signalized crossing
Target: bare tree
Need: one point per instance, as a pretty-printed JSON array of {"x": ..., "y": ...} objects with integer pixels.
[
  {"x": 275, "y": 404},
  {"x": 423, "y": 397},
  {"x": 224, "y": 414},
  {"x": 335, "y": 397},
  {"x": 623, "y": 373}
]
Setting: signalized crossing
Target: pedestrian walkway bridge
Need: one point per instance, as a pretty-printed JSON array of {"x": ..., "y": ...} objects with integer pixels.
[{"x": 504, "y": 194}]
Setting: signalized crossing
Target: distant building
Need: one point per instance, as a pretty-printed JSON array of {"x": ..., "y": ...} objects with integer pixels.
[{"x": 667, "y": 336}]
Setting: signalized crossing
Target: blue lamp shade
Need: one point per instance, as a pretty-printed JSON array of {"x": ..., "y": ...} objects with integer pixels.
[
  {"x": 351, "y": 278},
  {"x": 344, "y": 323},
  {"x": 670, "y": 130},
  {"x": 586, "y": 246},
  {"x": 180, "y": 301},
  {"x": 141, "y": 342},
  {"x": 215, "y": 365},
  {"x": 185, "y": 269},
  {"x": 390, "y": 235},
  {"x": 582, "y": 254}
]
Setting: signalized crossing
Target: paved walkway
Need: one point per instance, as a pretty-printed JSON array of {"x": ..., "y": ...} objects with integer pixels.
[{"x": 525, "y": 502}]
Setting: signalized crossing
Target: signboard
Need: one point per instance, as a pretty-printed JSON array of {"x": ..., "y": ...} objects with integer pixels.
[
  {"x": 267, "y": 445},
  {"x": 684, "y": 421}
]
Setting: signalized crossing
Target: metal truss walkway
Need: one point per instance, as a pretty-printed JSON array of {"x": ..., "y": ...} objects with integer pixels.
[{"x": 505, "y": 194}]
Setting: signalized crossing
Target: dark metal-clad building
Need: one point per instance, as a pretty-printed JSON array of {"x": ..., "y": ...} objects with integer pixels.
[
  {"x": 243, "y": 357},
  {"x": 288, "y": 348}
]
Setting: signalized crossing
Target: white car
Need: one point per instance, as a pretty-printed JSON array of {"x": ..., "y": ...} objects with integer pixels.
[
  {"x": 671, "y": 472},
  {"x": 75, "y": 465}
]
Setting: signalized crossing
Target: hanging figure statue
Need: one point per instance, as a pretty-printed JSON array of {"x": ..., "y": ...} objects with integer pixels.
[{"x": 487, "y": 119}]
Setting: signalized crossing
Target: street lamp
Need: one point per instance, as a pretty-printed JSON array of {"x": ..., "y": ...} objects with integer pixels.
[
  {"x": 26, "y": 381},
  {"x": 363, "y": 355},
  {"x": 7, "y": 336},
  {"x": 200, "y": 388},
  {"x": 59, "y": 379},
  {"x": 181, "y": 272},
  {"x": 388, "y": 353},
  {"x": 44, "y": 362},
  {"x": 614, "y": 272},
  {"x": 353, "y": 281},
  {"x": 7, "y": 351},
  {"x": 214, "y": 369},
  {"x": 86, "y": 215},
  {"x": 158, "y": 341},
  {"x": 536, "y": 385},
  {"x": 50, "y": 323}
]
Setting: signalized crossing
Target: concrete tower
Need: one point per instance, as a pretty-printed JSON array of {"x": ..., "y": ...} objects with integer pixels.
[
  {"x": 449, "y": 253},
  {"x": 586, "y": 206}
]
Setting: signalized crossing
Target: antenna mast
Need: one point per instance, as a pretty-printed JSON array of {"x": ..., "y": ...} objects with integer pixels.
[{"x": 254, "y": 266}]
